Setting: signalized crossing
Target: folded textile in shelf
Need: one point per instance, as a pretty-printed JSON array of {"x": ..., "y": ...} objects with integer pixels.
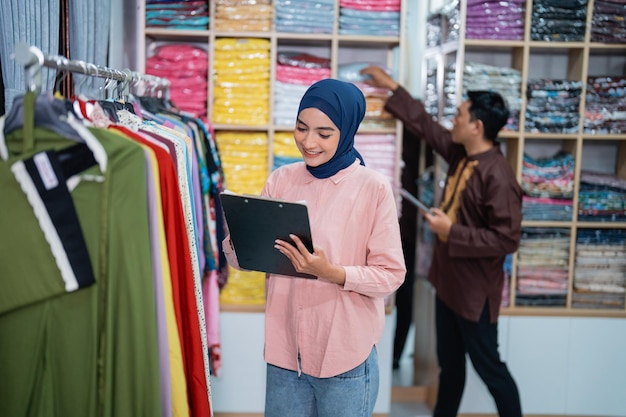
[
  {"x": 369, "y": 17},
  {"x": 600, "y": 269},
  {"x": 284, "y": 149},
  {"x": 548, "y": 185},
  {"x": 544, "y": 209},
  {"x": 244, "y": 160},
  {"x": 378, "y": 152},
  {"x": 439, "y": 32},
  {"x": 608, "y": 24},
  {"x": 502, "y": 20},
  {"x": 244, "y": 157},
  {"x": 243, "y": 15},
  {"x": 186, "y": 67},
  {"x": 182, "y": 14},
  {"x": 241, "y": 83},
  {"x": 553, "y": 106},
  {"x": 295, "y": 72},
  {"x": 601, "y": 197},
  {"x": 304, "y": 16},
  {"x": 542, "y": 267},
  {"x": 559, "y": 20},
  {"x": 605, "y": 105},
  {"x": 430, "y": 97},
  {"x": 504, "y": 80}
]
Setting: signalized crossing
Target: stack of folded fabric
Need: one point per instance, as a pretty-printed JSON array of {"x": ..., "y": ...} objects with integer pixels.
[
  {"x": 548, "y": 186},
  {"x": 284, "y": 149},
  {"x": 504, "y": 80},
  {"x": 244, "y": 163},
  {"x": 369, "y": 17},
  {"x": 181, "y": 14},
  {"x": 553, "y": 106},
  {"x": 430, "y": 97},
  {"x": 241, "y": 83},
  {"x": 186, "y": 68},
  {"x": 379, "y": 152},
  {"x": 605, "y": 105},
  {"x": 452, "y": 16},
  {"x": 304, "y": 16},
  {"x": 295, "y": 72},
  {"x": 601, "y": 197},
  {"x": 244, "y": 160},
  {"x": 434, "y": 34},
  {"x": 559, "y": 20},
  {"x": 499, "y": 20},
  {"x": 450, "y": 99},
  {"x": 608, "y": 24},
  {"x": 600, "y": 269},
  {"x": 542, "y": 267},
  {"x": 243, "y": 15}
]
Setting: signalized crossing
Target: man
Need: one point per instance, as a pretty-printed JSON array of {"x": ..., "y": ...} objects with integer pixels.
[{"x": 477, "y": 224}]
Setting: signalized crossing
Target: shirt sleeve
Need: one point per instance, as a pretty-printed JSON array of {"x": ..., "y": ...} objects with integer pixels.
[
  {"x": 503, "y": 219},
  {"x": 385, "y": 270},
  {"x": 413, "y": 115},
  {"x": 229, "y": 253}
]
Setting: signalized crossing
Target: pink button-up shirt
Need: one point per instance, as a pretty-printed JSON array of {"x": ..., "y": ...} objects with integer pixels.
[{"x": 353, "y": 217}]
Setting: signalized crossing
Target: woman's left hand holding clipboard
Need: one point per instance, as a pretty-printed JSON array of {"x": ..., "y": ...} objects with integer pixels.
[{"x": 314, "y": 263}]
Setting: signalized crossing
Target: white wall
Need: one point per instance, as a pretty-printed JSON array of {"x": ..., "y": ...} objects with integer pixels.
[
  {"x": 240, "y": 388},
  {"x": 562, "y": 366}
]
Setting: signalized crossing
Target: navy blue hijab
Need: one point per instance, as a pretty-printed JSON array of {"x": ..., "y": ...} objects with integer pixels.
[{"x": 344, "y": 104}]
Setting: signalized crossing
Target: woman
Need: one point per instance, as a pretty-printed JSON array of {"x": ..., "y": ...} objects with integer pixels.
[{"x": 321, "y": 334}]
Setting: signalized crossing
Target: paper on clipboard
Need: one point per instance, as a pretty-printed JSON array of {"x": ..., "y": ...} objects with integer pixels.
[{"x": 255, "y": 222}]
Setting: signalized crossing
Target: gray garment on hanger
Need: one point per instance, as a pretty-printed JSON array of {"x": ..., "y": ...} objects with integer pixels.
[{"x": 48, "y": 111}]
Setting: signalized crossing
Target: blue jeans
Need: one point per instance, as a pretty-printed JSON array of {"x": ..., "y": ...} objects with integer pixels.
[{"x": 351, "y": 394}]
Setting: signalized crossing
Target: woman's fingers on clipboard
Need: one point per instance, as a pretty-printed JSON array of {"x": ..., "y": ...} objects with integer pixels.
[{"x": 298, "y": 254}]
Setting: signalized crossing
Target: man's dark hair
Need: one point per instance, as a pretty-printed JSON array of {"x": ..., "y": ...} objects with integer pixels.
[{"x": 490, "y": 108}]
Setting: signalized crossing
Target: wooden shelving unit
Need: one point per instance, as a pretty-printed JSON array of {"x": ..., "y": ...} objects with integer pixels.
[{"x": 527, "y": 56}]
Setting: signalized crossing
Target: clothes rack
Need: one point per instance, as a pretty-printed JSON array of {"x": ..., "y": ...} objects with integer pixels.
[{"x": 33, "y": 59}]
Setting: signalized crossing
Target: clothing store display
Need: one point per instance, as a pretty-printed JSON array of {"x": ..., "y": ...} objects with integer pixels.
[
  {"x": 553, "y": 106},
  {"x": 608, "y": 24},
  {"x": 548, "y": 185},
  {"x": 600, "y": 269},
  {"x": 443, "y": 24},
  {"x": 241, "y": 81},
  {"x": 601, "y": 197},
  {"x": 243, "y": 16},
  {"x": 285, "y": 149},
  {"x": 182, "y": 15},
  {"x": 369, "y": 17},
  {"x": 503, "y": 20},
  {"x": 542, "y": 267},
  {"x": 605, "y": 105},
  {"x": 186, "y": 68},
  {"x": 295, "y": 72},
  {"x": 304, "y": 16},
  {"x": 503, "y": 80},
  {"x": 559, "y": 20},
  {"x": 80, "y": 181}
]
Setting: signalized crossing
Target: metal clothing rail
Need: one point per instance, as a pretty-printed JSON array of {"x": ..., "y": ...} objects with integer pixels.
[{"x": 33, "y": 59}]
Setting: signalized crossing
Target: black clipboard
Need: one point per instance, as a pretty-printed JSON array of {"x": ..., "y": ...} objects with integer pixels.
[{"x": 255, "y": 222}]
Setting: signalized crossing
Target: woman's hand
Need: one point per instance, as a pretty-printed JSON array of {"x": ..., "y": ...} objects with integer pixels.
[{"x": 314, "y": 263}]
